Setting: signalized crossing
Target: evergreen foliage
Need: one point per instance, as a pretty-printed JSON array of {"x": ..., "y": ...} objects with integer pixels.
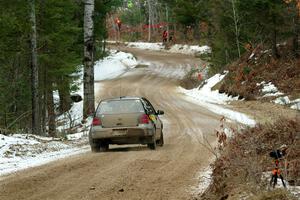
[
  {"x": 60, "y": 52},
  {"x": 231, "y": 25}
]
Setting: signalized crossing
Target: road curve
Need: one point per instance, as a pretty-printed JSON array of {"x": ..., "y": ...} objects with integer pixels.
[{"x": 132, "y": 172}]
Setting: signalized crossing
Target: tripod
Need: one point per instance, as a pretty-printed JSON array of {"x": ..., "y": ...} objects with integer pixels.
[{"x": 276, "y": 172}]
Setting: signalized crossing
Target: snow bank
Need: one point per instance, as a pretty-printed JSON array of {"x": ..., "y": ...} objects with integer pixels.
[
  {"x": 295, "y": 190},
  {"x": 269, "y": 89},
  {"x": 114, "y": 65},
  {"x": 177, "y": 48},
  {"x": 204, "y": 180},
  {"x": 212, "y": 100},
  {"x": 21, "y": 151},
  {"x": 145, "y": 45},
  {"x": 205, "y": 93},
  {"x": 294, "y": 104},
  {"x": 186, "y": 49}
]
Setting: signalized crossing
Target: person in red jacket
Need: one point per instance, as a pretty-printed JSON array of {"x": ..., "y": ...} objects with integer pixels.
[
  {"x": 119, "y": 23},
  {"x": 165, "y": 36}
]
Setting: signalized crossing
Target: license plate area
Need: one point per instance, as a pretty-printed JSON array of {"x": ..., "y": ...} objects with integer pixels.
[{"x": 119, "y": 132}]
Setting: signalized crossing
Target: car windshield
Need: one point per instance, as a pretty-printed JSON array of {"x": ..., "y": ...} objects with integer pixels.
[{"x": 120, "y": 106}]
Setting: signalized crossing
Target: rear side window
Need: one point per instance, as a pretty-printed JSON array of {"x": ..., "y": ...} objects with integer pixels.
[
  {"x": 120, "y": 106},
  {"x": 149, "y": 108}
]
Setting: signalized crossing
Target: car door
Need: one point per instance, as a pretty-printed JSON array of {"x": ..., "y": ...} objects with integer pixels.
[{"x": 153, "y": 116}]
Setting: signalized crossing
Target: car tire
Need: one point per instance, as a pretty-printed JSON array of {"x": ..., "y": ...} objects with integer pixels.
[
  {"x": 161, "y": 142},
  {"x": 95, "y": 147},
  {"x": 152, "y": 145},
  {"x": 104, "y": 146}
]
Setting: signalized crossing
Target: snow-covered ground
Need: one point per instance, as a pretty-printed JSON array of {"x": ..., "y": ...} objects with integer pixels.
[
  {"x": 176, "y": 48},
  {"x": 285, "y": 100},
  {"x": 145, "y": 45},
  {"x": 212, "y": 100},
  {"x": 114, "y": 65},
  {"x": 295, "y": 190},
  {"x": 204, "y": 180},
  {"x": 270, "y": 90},
  {"x": 21, "y": 151}
]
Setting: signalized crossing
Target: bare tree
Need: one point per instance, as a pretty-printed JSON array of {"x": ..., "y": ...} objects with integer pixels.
[
  {"x": 296, "y": 24},
  {"x": 167, "y": 18},
  {"x": 236, "y": 21},
  {"x": 149, "y": 19},
  {"x": 36, "y": 124},
  {"x": 88, "y": 77}
]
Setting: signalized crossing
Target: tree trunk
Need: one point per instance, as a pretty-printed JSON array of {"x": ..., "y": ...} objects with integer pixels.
[
  {"x": 88, "y": 77},
  {"x": 43, "y": 72},
  {"x": 235, "y": 19},
  {"x": 197, "y": 31},
  {"x": 296, "y": 32},
  {"x": 209, "y": 34},
  {"x": 34, "y": 72},
  {"x": 149, "y": 20},
  {"x": 51, "y": 113},
  {"x": 274, "y": 38},
  {"x": 168, "y": 29},
  {"x": 64, "y": 98}
]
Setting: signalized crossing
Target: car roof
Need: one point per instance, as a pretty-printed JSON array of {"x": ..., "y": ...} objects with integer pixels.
[{"x": 123, "y": 98}]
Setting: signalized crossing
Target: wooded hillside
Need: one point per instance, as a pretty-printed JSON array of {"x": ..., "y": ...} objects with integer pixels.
[{"x": 41, "y": 50}]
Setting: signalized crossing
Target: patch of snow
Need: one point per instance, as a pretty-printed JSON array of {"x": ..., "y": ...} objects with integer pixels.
[
  {"x": 204, "y": 180},
  {"x": 205, "y": 93},
  {"x": 269, "y": 89},
  {"x": 55, "y": 97},
  {"x": 21, "y": 151},
  {"x": 295, "y": 190},
  {"x": 114, "y": 65},
  {"x": 146, "y": 45},
  {"x": 177, "y": 48},
  {"x": 295, "y": 104},
  {"x": 170, "y": 72},
  {"x": 186, "y": 49},
  {"x": 210, "y": 99},
  {"x": 276, "y": 94},
  {"x": 282, "y": 100}
]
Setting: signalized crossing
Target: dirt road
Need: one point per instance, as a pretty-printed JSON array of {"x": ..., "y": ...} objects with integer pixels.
[{"x": 132, "y": 172}]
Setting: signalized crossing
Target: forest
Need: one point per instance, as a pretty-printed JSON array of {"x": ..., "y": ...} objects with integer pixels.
[{"x": 42, "y": 43}]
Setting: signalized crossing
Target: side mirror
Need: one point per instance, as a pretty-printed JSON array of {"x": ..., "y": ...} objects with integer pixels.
[{"x": 160, "y": 112}]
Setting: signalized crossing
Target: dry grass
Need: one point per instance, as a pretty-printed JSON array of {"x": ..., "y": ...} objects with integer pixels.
[
  {"x": 244, "y": 160},
  {"x": 278, "y": 194},
  {"x": 190, "y": 80},
  {"x": 245, "y": 73}
]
